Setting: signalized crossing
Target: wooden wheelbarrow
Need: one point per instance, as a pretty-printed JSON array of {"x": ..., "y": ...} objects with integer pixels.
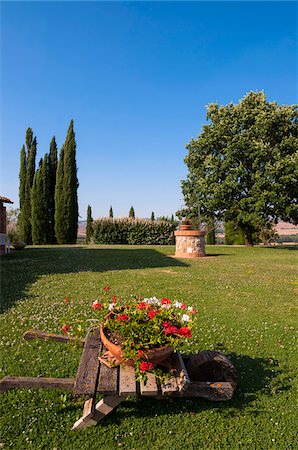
[{"x": 208, "y": 374}]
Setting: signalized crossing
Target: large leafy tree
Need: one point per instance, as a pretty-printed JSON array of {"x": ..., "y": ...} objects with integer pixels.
[
  {"x": 66, "y": 197},
  {"x": 244, "y": 164}
]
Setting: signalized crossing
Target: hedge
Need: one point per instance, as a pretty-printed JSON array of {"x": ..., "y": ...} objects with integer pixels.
[{"x": 133, "y": 231}]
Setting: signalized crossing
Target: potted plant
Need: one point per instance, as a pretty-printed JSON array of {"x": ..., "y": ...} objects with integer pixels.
[
  {"x": 140, "y": 332},
  {"x": 185, "y": 224}
]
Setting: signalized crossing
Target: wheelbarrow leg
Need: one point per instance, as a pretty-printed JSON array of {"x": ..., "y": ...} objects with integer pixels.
[{"x": 94, "y": 414}]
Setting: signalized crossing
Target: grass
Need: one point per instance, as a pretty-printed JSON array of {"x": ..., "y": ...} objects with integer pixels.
[{"x": 246, "y": 299}]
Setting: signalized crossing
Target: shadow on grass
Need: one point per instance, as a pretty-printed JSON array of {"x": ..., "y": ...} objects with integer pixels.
[{"x": 20, "y": 269}]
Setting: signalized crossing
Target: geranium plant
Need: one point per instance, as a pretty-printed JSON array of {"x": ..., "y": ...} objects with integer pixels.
[{"x": 138, "y": 325}]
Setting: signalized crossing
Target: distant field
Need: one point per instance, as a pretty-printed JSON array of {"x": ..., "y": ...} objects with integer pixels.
[{"x": 247, "y": 300}]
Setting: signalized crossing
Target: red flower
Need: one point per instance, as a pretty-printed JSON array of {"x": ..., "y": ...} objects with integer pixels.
[
  {"x": 183, "y": 306},
  {"x": 122, "y": 317},
  {"x": 185, "y": 332},
  {"x": 96, "y": 305},
  {"x": 114, "y": 299},
  {"x": 65, "y": 328},
  {"x": 165, "y": 301},
  {"x": 107, "y": 288},
  {"x": 142, "y": 305},
  {"x": 151, "y": 314},
  {"x": 66, "y": 300},
  {"x": 171, "y": 330},
  {"x": 166, "y": 324},
  {"x": 140, "y": 353},
  {"x": 145, "y": 366}
]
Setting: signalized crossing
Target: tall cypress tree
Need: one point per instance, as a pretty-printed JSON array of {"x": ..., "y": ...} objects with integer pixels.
[
  {"x": 89, "y": 225},
  {"x": 152, "y": 216},
  {"x": 111, "y": 214},
  {"x": 26, "y": 228},
  {"x": 40, "y": 203},
  {"x": 23, "y": 168},
  {"x": 53, "y": 161},
  {"x": 131, "y": 213},
  {"x": 66, "y": 196},
  {"x": 59, "y": 199}
]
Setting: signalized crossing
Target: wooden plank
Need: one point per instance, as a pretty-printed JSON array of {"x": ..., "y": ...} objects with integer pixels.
[
  {"x": 87, "y": 419},
  {"x": 215, "y": 391},
  {"x": 87, "y": 375},
  {"x": 36, "y": 334},
  {"x": 169, "y": 386},
  {"x": 106, "y": 405},
  {"x": 150, "y": 388},
  {"x": 127, "y": 381},
  {"x": 179, "y": 371},
  {"x": 108, "y": 380},
  {"x": 35, "y": 382}
]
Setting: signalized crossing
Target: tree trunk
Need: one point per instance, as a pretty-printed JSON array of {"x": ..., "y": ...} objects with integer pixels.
[{"x": 248, "y": 236}]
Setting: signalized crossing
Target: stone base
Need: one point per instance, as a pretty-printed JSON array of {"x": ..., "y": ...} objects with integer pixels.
[{"x": 190, "y": 244}]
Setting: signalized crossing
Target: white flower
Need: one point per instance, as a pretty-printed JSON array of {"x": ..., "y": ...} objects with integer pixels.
[
  {"x": 178, "y": 304},
  {"x": 111, "y": 306},
  {"x": 151, "y": 301},
  {"x": 190, "y": 308},
  {"x": 185, "y": 318}
]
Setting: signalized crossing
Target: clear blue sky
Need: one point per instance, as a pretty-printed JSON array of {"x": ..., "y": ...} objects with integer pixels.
[{"x": 135, "y": 77}]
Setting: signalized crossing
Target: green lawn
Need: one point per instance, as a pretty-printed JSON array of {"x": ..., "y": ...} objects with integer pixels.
[{"x": 247, "y": 299}]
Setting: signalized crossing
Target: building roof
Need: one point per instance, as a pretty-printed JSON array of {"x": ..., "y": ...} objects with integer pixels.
[{"x": 5, "y": 200}]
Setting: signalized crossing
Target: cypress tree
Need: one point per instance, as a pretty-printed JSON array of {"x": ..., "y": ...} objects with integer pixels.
[
  {"x": 111, "y": 214},
  {"x": 66, "y": 196},
  {"x": 59, "y": 223},
  {"x": 23, "y": 167},
  {"x": 152, "y": 216},
  {"x": 40, "y": 203},
  {"x": 26, "y": 228},
  {"x": 89, "y": 225},
  {"x": 131, "y": 213},
  {"x": 52, "y": 168}
]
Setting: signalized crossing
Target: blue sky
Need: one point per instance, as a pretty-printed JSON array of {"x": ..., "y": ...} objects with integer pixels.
[{"x": 136, "y": 78}]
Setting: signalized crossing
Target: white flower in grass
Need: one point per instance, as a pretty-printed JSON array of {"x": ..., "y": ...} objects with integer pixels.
[
  {"x": 151, "y": 301},
  {"x": 111, "y": 306},
  {"x": 178, "y": 304},
  {"x": 185, "y": 318}
]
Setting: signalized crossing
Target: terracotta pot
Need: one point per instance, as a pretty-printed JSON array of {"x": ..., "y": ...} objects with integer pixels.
[
  {"x": 156, "y": 356},
  {"x": 185, "y": 227}
]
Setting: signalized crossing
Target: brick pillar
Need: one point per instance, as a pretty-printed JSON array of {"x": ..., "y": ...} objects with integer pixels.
[{"x": 190, "y": 244}]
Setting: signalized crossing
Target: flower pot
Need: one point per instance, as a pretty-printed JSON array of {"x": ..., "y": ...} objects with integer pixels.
[
  {"x": 155, "y": 356},
  {"x": 185, "y": 227}
]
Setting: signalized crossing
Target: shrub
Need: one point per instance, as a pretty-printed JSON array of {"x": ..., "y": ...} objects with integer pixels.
[{"x": 134, "y": 232}]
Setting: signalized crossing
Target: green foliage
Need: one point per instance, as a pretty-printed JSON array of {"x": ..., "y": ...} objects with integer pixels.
[
  {"x": 59, "y": 199},
  {"x": 128, "y": 231},
  {"x": 234, "y": 235},
  {"x": 131, "y": 213},
  {"x": 53, "y": 162},
  {"x": 40, "y": 200},
  {"x": 89, "y": 229},
  {"x": 244, "y": 164},
  {"x": 22, "y": 177},
  {"x": 25, "y": 214},
  {"x": 152, "y": 216},
  {"x": 210, "y": 231},
  {"x": 111, "y": 214},
  {"x": 66, "y": 197}
]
